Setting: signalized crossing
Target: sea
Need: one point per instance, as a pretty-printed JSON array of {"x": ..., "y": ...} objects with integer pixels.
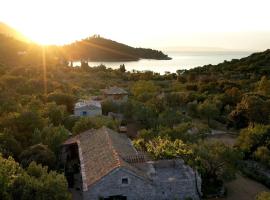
[{"x": 180, "y": 60}]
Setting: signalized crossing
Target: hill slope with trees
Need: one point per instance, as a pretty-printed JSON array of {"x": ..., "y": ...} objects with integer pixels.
[
  {"x": 15, "y": 48},
  {"x": 11, "y": 32},
  {"x": 96, "y": 48}
]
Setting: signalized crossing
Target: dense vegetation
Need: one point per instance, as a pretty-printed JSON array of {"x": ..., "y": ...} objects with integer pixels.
[{"x": 175, "y": 114}]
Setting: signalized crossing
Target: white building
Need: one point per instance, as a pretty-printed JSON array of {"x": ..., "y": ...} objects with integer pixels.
[{"x": 88, "y": 108}]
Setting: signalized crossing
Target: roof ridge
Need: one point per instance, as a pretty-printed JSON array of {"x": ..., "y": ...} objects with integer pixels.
[{"x": 110, "y": 143}]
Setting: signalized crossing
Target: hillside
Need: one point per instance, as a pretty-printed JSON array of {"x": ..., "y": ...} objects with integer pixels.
[
  {"x": 97, "y": 48},
  {"x": 11, "y": 32},
  {"x": 258, "y": 63},
  {"x": 93, "y": 48}
]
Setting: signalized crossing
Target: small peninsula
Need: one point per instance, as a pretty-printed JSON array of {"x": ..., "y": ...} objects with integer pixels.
[{"x": 97, "y": 48}]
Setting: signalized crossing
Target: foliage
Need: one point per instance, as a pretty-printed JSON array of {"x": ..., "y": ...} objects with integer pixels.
[
  {"x": 208, "y": 110},
  {"x": 253, "y": 137},
  {"x": 144, "y": 90},
  {"x": 170, "y": 117},
  {"x": 253, "y": 108},
  {"x": 109, "y": 106},
  {"x": 187, "y": 132},
  {"x": 51, "y": 136},
  {"x": 144, "y": 114},
  {"x": 33, "y": 183},
  {"x": 86, "y": 123},
  {"x": 146, "y": 134},
  {"x": 9, "y": 146},
  {"x": 163, "y": 148},
  {"x": 39, "y": 153},
  {"x": 62, "y": 99},
  {"x": 56, "y": 114},
  {"x": 215, "y": 161},
  {"x": 264, "y": 86},
  {"x": 122, "y": 68},
  {"x": 9, "y": 171},
  {"x": 263, "y": 196},
  {"x": 262, "y": 154}
]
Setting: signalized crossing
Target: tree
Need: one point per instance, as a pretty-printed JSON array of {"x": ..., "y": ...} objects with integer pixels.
[
  {"x": 208, "y": 110},
  {"x": 39, "y": 153},
  {"x": 147, "y": 116},
  {"x": 163, "y": 148},
  {"x": 146, "y": 134},
  {"x": 56, "y": 114},
  {"x": 238, "y": 118},
  {"x": 187, "y": 132},
  {"x": 51, "y": 136},
  {"x": 109, "y": 106},
  {"x": 9, "y": 171},
  {"x": 37, "y": 183},
  {"x": 170, "y": 117},
  {"x": 62, "y": 99},
  {"x": 264, "y": 86},
  {"x": 142, "y": 88},
  {"x": 9, "y": 146},
  {"x": 86, "y": 123},
  {"x": 25, "y": 124},
  {"x": 253, "y": 137},
  {"x": 262, "y": 154},
  {"x": 253, "y": 108},
  {"x": 263, "y": 196},
  {"x": 122, "y": 68},
  {"x": 215, "y": 161},
  {"x": 232, "y": 96},
  {"x": 33, "y": 183},
  {"x": 192, "y": 108}
]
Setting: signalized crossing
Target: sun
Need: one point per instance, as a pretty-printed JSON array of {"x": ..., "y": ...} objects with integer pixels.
[
  {"x": 45, "y": 37},
  {"x": 46, "y": 32}
]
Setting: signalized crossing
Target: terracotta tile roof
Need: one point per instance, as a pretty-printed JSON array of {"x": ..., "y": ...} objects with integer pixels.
[
  {"x": 115, "y": 90},
  {"x": 102, "y": 151}
]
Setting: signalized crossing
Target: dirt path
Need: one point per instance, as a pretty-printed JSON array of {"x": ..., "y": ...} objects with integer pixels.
[
  {"x": 227, "y": 139},
  {"x": 244, "y": 189}
]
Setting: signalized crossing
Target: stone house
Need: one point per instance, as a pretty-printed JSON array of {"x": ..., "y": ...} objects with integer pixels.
[
  {"x": 115, "y": 94},
  {"x": 111, "y": 168},
  {"x": 88, "y": 108}
]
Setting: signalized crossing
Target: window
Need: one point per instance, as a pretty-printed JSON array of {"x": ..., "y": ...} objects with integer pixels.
[
  {"x": 124, "y": 181},
  {"x": 84, "y": 113}
]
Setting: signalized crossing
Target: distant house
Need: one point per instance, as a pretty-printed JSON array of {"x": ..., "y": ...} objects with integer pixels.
[
  {"x": 115, "y": 94},
  {"x": 111, "y": 168},
  {"x": 88, "y": 108}
]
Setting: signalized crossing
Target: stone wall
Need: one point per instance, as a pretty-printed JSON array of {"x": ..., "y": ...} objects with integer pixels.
[
  {"x": 111, "y": 185},
  {"x": 141, "y": 189}
]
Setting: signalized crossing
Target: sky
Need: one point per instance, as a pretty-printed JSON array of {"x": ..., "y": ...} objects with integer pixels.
[{"x": 229, "y": 24}]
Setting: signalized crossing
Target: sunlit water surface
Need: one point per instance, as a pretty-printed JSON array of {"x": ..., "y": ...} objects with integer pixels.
[{"x": 179, "y": 60}]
